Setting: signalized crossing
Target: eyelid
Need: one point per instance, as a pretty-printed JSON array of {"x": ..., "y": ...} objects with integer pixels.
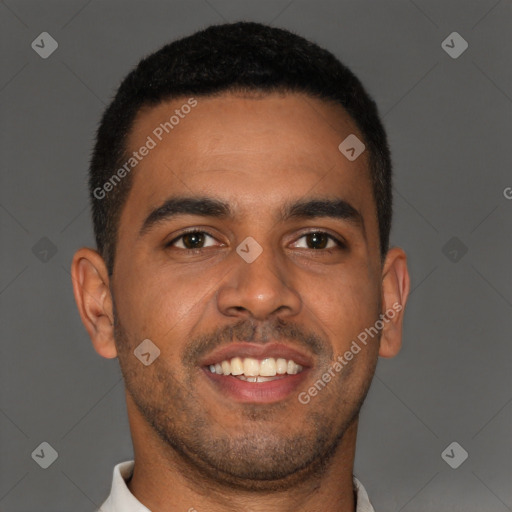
[
  {"x": 187, "y": 231},
  {"x": 340, "y": 241}
]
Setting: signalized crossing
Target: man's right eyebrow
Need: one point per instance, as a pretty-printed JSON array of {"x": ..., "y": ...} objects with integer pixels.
[{"x": 174, "y": 206}]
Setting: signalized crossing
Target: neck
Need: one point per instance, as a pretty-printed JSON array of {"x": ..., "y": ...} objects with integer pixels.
[{"x": 164, "y": 482}]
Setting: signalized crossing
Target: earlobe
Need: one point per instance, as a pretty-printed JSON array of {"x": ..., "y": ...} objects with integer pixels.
[
  {"x": 395, "y": 290},
  {"x": 91, "y": 288}
]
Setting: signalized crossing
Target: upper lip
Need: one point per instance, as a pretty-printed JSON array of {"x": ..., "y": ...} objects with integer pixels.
[{"x": 257, "y": 351}]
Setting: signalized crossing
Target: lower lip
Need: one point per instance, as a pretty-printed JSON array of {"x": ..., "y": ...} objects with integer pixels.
[{"x": 257, "y": 392}]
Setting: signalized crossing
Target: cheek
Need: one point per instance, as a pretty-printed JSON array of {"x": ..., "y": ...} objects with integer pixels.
[
  {"x": 344, "y": 304},
  {"x": 163, "y": 306}
]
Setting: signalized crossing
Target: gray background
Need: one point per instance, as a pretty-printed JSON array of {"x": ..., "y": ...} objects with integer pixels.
[{"x": 450, "y": 126}]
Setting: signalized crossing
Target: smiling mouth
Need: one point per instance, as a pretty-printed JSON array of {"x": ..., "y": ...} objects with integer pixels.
[{"x": 250, "y": 369}]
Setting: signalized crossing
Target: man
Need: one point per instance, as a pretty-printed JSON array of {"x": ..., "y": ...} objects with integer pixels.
[{"x": 241, "y": 195}]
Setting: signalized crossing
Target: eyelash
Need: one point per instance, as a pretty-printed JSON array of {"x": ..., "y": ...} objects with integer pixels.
[{"x": 339, "y": 243}]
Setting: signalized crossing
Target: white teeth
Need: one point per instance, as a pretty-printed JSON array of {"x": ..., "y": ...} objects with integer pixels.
[
  {"x": 293, "y": 367},
  {"x": 237, "y": 367},
  {"x": 249, "y": 368},
  {"x": 281, "y": 366},
  {"x": 226, "y": 368},
  {"x": 257, "y": 379},
  {"x": 268, "y": 367}
]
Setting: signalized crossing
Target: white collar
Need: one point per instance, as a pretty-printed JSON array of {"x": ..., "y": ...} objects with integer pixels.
[{"x": 122, "y": 500}]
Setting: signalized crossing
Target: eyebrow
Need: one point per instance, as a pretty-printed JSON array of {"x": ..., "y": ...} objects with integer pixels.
[{"x": 338, "y": 209}]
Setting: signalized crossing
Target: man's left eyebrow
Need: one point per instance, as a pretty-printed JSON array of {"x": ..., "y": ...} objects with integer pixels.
[{"x": 334, "y": 208}]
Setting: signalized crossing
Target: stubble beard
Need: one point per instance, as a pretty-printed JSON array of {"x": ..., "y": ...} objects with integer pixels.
[{"x": 254, "y": 458}]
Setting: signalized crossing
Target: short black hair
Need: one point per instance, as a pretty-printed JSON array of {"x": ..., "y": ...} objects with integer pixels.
[{"x": 231, "y": 57}]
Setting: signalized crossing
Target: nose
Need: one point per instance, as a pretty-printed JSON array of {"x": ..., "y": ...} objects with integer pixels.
[{"x": 259, "y": 289}]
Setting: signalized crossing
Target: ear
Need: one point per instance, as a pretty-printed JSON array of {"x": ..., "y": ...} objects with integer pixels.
[
  {"x": 94, "y": 300},
  {"x": 395, "y": 289}
]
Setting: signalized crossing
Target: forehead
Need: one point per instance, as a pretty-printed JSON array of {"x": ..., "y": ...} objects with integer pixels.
[{"x": 248, "y": 150}]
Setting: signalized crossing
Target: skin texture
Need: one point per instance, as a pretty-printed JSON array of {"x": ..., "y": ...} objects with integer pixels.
[{"x": 194, "y": 446}]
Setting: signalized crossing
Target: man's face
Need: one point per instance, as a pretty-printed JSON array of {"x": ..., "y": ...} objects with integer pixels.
[{"x": 304, "y": 298}]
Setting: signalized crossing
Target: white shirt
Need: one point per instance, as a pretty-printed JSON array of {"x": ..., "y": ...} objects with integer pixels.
[{"x": 122, "y": 500}]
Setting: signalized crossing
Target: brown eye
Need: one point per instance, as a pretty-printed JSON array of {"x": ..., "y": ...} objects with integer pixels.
[
  {"x": 318, "y": 240},
  {"x": 192, "y": 240}
]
